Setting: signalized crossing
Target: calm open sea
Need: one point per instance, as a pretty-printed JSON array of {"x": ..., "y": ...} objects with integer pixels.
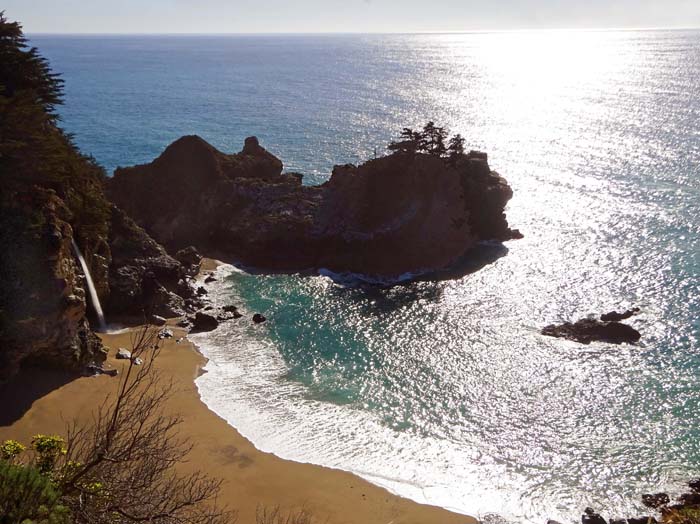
[{"x": 444, "y": 391}]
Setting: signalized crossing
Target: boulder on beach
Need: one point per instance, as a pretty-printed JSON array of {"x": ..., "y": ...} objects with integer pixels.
[
  {"x": 123, "y": 354},
  {"x": 165, "y": 333}
]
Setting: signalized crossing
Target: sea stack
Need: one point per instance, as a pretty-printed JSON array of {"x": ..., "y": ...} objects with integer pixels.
[{"x": 395, "y": 215}]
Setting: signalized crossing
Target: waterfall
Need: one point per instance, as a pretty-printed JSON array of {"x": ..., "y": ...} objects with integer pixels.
[{"x": 91, "y": 288}]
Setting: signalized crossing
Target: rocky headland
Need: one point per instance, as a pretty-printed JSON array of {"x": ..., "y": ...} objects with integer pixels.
[
  {"x": 140, "y": 234},
  {"x": 399, "y": 214}
]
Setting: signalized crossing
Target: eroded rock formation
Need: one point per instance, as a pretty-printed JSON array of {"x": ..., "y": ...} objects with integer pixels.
[
  {"x": 42, "y": 297},
  {"x": 404, "y": 213}
]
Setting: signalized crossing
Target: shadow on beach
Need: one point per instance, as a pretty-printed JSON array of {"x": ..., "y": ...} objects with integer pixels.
[{"x": 28, "y": 386}]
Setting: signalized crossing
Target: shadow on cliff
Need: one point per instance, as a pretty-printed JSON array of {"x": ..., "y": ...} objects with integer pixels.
[
  {"x": 477, "y": 258},
  {"x": 388, "y": 297},
  {"x": 29, "y": 385}
]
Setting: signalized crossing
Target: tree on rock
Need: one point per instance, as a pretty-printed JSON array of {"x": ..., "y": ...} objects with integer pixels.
[
  {"x": 409, "y": 142},
  {"x": 433, "y": 140},
  {"x": 455, "y": 147}
]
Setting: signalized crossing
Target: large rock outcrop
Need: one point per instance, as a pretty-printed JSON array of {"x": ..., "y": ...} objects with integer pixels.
[
  {"x": 52, "y": 195},
  {"x": 390, "y": 216},
  {"x": 42, "y": 297},
  {"x": 143, "y": 279}
]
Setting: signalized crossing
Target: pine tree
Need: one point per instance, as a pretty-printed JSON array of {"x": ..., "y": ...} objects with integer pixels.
[
  {"x": 409, "y": 143},
  {"x": 433, "y": 139},
  {"x": 33, "y": 148},
  {"x": 455, "y": 147}
]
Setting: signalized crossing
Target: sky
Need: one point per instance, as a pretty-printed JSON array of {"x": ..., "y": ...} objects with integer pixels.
[{"x": 332, "y": 16}]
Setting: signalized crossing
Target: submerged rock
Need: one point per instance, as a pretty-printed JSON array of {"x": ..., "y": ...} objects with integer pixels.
[{"x": 590, "y": 330}]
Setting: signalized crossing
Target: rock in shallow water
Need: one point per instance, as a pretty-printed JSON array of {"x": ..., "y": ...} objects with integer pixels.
[
  {"x": 258, "y": 318},
  {"x": 591, "y": 517},
  {"x": 655, "y": 500},
  {"x": 614, "y": 316},
  {"x": 590, "y": 330},
  {"x": 204, "y": 322},
  {"x": 642, "y": 520}
]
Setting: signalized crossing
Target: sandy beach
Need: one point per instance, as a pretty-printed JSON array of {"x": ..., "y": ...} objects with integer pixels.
[{"x": 43, "y": 402}]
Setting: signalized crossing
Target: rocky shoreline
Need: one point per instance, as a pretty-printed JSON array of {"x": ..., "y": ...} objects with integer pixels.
[{"x": 684, "y": 510}]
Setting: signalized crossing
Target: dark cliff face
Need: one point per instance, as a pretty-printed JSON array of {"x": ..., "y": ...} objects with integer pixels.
[
  {"x": 392, "y": 215},
  {"x": 42, "y": 297},
  {"x": 51, "y": 195},
  {"x": 143, "y": 278}
]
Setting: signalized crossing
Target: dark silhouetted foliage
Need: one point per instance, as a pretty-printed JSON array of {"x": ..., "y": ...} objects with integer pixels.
[
  {"x": 26, "y": 495},
  {"x": 33, "y": 149},
  {"x": 431, "y": 140}
]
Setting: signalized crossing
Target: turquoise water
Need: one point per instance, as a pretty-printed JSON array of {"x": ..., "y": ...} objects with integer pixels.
[{"x": 445, "y": 391}]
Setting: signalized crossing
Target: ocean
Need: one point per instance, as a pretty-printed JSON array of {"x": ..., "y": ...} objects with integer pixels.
[{"x": 444, "y": 391}]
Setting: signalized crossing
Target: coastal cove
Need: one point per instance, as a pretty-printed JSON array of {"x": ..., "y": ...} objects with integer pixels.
[
  {"x": 410, "y": 278},
  {"x": 252, "y": 479}
]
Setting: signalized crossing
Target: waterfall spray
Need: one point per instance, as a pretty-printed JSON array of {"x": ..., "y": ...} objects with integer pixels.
[{"x": 91, "y": 288}]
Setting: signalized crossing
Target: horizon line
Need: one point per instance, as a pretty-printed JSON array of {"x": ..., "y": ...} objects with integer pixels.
[{"x": 332, "y": 33}]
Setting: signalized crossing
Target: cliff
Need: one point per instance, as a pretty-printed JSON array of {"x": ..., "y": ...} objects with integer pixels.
[
  {"x": 52, "y": 195},
  {"x": 42, "y": 296},
  {"x": 389, "y": 216}
]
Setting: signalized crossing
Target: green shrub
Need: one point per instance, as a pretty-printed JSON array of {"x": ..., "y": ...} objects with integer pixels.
[
  {"x": 48, "y": 448},
  {"x": 28, "y": 496},
  {"x": 10, "y": 449}
]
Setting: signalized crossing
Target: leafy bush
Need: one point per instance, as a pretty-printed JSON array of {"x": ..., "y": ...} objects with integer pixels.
[
  {"x": 10, "y": 449},
  {"x": 27, "y": 495}
]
